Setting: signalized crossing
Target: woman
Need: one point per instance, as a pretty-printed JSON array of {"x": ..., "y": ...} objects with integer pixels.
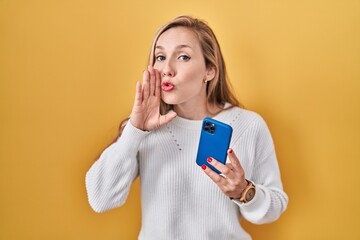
[{"x": 185, "y": 82}]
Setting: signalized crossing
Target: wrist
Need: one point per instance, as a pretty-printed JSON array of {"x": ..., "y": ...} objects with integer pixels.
[
  {"x": 247, "y": 193},
  {"x": 243, "y": 187},
  {"x": 136, "y": 124}
]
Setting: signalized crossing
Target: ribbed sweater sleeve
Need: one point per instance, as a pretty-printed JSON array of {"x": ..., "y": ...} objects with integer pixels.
[
  {"x": 270, "y": 200},
  {"x": 109, "y": 179}
]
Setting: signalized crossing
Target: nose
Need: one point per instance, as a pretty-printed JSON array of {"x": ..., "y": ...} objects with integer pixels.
[
  {"x": 167, "y": 74},
  {"x": 167, "y": 70}
]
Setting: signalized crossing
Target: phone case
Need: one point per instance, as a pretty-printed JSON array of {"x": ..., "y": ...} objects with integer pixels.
[{"x": 214, "y": 142}]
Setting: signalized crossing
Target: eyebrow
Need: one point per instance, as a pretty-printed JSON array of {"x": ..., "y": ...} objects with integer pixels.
[{"x": 177, "y": 47}]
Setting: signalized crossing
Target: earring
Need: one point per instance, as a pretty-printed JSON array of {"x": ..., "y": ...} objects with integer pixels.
[{"x": 205, "y": 80}]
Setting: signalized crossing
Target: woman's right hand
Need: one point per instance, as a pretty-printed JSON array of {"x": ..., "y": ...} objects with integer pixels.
[{"x": 145, "y": 114}]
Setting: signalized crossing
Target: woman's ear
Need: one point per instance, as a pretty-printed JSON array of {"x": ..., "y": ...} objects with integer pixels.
[{"x": 210, "y": 74}]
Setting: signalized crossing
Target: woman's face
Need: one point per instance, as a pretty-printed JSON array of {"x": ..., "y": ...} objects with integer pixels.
[{"x": 181, "y": 63}]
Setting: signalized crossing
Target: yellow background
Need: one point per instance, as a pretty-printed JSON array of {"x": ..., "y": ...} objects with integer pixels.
[{"x": 67, "y": 77}]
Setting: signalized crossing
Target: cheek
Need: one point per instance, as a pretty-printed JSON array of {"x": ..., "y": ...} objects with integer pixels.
[
  {"x": 196, "y": 75},
  {"x": 156, "y": 65},
  {"x": 195, "y": 84}
]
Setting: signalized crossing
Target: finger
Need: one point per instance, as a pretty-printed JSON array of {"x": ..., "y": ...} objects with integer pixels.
[
  {"x": 167, "y": 117},
  {"x": 145, "y": 85},
  {"x": 158, "y": 83},
  {"x": 152, "y": 80},
  {"x": 218, "y": 179},
  {"x": 224, "y": 169},
  {"x": 138, "y": 95},
  {"x": 229, "y": 165},
  {"x": 235, "y": 161}
]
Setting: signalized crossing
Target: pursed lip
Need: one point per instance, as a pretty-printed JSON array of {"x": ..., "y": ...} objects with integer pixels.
[{"x": 167, "y": 86}]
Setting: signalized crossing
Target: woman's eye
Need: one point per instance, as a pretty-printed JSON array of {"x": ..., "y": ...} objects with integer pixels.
[
  {"x": 160, "y": 58},
  {"x": 184, "y": 58}
]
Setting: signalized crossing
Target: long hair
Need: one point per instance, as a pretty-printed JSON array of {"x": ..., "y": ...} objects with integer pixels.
[{"x": 218, "y": 90}]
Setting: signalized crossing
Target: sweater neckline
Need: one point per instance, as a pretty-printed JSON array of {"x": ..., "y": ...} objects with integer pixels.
[
  {"x": 187, "y": 123},
  {"x": 195, "y": 124}
]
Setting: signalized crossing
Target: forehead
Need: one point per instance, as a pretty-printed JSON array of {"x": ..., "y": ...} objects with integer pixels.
[{"x": 178, "y": 36}]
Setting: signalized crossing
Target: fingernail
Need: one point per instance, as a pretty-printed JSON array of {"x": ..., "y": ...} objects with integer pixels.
[
  {"x": 209, "y": 159},
  {"x": 203, "y": 166},
  {"x": 230, "y": 151}
]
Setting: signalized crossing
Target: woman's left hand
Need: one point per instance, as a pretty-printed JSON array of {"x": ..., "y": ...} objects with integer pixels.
[{"x": 232, "y": 180}]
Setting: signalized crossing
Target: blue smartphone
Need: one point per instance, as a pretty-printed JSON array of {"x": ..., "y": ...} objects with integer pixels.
[{"x": 214, "y": 142}]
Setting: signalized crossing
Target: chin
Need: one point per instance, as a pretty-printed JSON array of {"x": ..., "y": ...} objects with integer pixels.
[{"x": 170, "y": 100}]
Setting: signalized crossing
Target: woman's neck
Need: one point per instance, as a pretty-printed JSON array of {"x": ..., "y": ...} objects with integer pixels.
[{"x": 197, "y": 111}]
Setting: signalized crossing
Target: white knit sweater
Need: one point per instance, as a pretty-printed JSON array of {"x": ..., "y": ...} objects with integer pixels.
[{"x": 179, "y": 201}]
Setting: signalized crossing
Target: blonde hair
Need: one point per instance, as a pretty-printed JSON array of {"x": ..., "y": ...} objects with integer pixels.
[{"x": 218, "y": 89}]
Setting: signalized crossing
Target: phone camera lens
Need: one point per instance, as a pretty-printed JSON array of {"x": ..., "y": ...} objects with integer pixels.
[
  {"x": 209, "y": 127},
  {"x": 212, "y": 128}
]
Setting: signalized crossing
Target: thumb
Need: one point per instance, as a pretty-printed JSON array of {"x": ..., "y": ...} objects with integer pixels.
[{"x": 167, "y": 117}]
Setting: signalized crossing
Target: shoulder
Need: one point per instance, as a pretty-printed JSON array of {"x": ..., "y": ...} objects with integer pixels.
[
  {"x": 244, "y": 122},
  {"x": 240, "y": 115}
]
